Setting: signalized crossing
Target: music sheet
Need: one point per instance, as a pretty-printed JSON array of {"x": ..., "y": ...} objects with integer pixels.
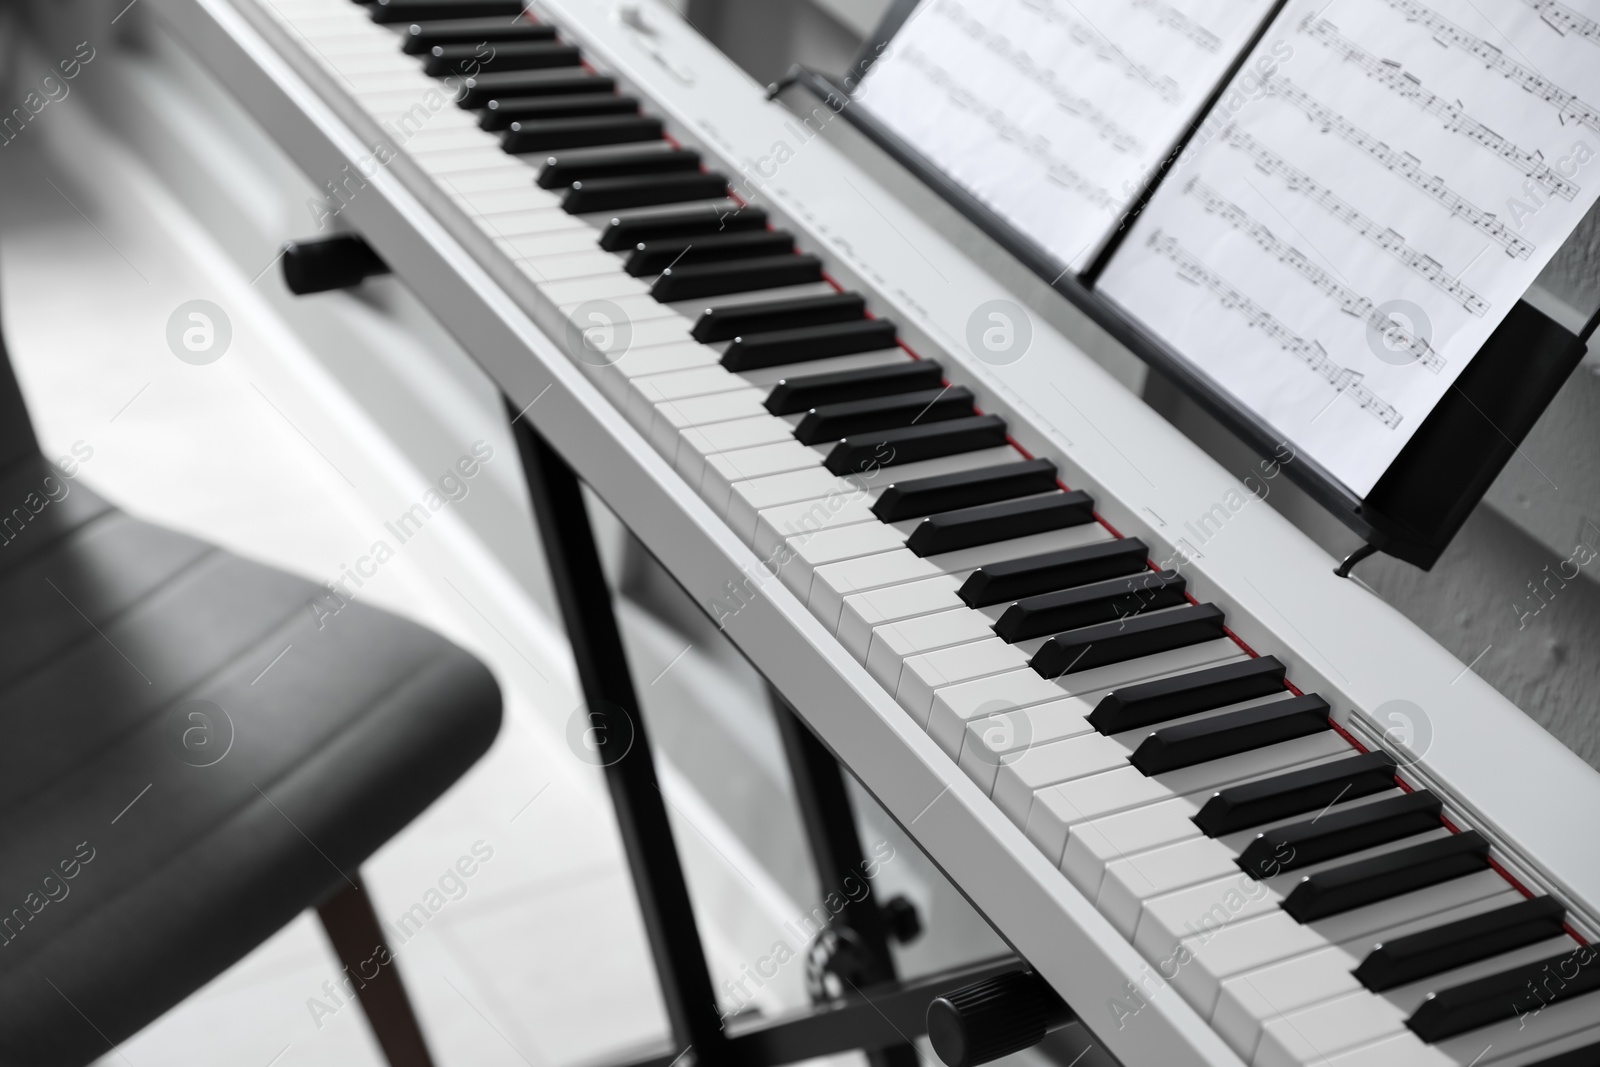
[
  {"x": 1055, "y": 113},
  {"x": 1334, "y": 252}
]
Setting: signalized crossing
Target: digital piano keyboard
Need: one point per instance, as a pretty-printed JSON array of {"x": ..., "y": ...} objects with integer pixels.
[{"x": 1232, "y": 808}]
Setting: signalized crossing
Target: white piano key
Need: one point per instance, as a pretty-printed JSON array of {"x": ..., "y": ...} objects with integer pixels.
[
  {"x": 640, "y": 360},
  {"x": 566, "y": 266},
  {"x": 954, "y": 706},
  {"x": 676, "y": 415},
  {"x": 1399, "y": 1050},
  {"x": 893, "y": 642},
  {"x": 1310, "y": 1035},
  {"x": 440, "y": 164},
  {"x": 1022, "y": 784},
  {"x": 384, "y": 81},
  {"x": 613, "y": 286},
  {"x": 1130, "y": 881},
  {"x": 1249, "y": 1000},
  {"x": 1234, "y": 951},
  {"x": 995, "y": 739},
  {"x": 645, "y": 393},
  {"x": 832, "y": 583},
  {"x": 1198, "y": 911},
  {"x": 1048, "y": 764},
  {"x": 922, "y": 675},
  {"x": 864, "y": 611},
  {"x": 723, "y": 469},
  {"x": 1058, "y": 808},
  {"x": 698, "y": 443},
  {"x": 836, "y": 584},
  {"x": 646, "y": 333},
  {"x": 510, "y": 213},
  {"x": 638, "y": 307},
  {"x": 1093, "y": 844},
  {"x": 809, "y": 485},
  {"x": 778, "y": 524},
  {"x": 1252, "y": 1001},
  {"x": 536, "y": 246},
  {"x": 810, "y": 551},
  {"x": 464, "y": 188},
  {"x": 441, "y": 138}
]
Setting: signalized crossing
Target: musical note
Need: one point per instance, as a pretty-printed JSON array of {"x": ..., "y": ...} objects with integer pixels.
[
  {"x": 1418, "y": 263},
  {"x": 1313, "y": 355},
  {"x": 1564, "y": 20},
  {"x": 1447, "y": 32},
  {"x": 1113, "y": 133},
  {"x": 1172, "y": 18},
  {"x": 1455, "y": 118},
  {"x": 1403, "y": 164},
  {"x": 1007, "y": 130},
  {"x": 1348, "y": 300},
  {"x": 1165, "y": 86}
]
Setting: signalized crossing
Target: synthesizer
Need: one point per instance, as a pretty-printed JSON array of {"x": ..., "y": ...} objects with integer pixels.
[{"x": 1234, "y": 809}]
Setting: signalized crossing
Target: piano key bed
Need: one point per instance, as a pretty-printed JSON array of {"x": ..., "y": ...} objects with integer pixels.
[{"x": 1300, "y": 893}]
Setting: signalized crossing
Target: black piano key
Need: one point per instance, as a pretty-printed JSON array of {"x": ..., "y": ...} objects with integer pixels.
[
  {"x": 1339, "y": 833},
  {"x": 963, "y": 489},
  {"x": 484, "y": 58},
  {"x": 1115, "y": 642},
  {"x": 1014, "y": 579},
  {"x": 792, "y": 395},
  {"x": 726, "y": 323},
  {"x": 1085, "y": 605},
  {"x": 653, "y": 257},
  {"x": 1003, "y": 520},
  {"x": 1513, "y": 992},
  {"x": 420, "y": 37},
  {"x": 1284, "y": 796},
  {"x": 552, "y": 135},
  {"x": 626, "y": 231},
  {"x": 831, "y": 422},
  {"x": 1443, "y": 948},
  {"x": 869, "y": 451},
  {"x": 614, "y": 194},
  {"x": 753, "y": 351},
  {"x": 391, "y": 11},
  {"x": 739, "y": 276},
  {"x": 1165, "y": 699},
  {"x": 479, "y": 89},
  {"x": 501, "y": 112},
  {"x": 560, "y": 171},
  {"x": 1185, "y": 744},
  {"x": 1368, "y": 881}
]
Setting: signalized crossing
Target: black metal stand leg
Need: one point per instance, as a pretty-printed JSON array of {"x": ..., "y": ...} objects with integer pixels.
[
  {"x": 830, "y": 825},
  {"x": 614, "y": 717}
]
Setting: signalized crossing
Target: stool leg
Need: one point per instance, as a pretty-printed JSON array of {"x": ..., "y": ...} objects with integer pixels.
[{"x": 353, "y": 928}]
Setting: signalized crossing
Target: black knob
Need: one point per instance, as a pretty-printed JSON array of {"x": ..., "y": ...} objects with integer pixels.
[
  {"x": 994, "y": 1018},
  {"x": 325, "y": 263},
  {"x": 905, "y": 925}
]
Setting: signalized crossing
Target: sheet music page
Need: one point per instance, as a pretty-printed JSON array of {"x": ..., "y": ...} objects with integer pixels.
[
  {"x": 1334, "y": 252},
  {"x": 1055, "y": 113}
]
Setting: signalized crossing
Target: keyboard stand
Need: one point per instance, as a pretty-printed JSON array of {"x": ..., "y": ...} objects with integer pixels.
[{"x": 882, "y": 1014}]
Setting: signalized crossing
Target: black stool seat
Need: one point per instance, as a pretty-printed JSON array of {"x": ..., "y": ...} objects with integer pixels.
[{"x": 147, "y": 840}]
